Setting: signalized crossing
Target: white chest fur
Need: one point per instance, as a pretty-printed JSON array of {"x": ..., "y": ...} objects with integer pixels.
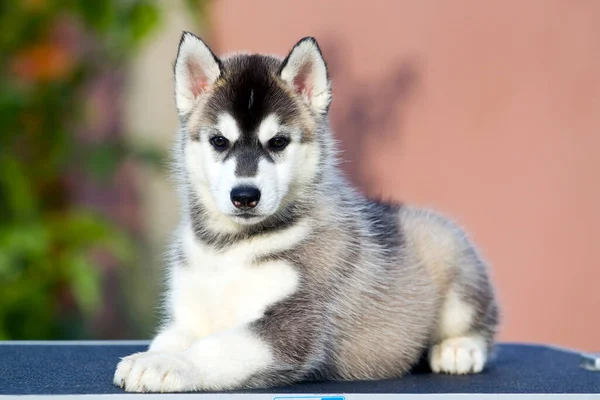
[{"x": 218, "y": 291}]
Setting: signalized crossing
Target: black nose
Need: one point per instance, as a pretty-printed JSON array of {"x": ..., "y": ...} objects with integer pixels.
[{"x": 245, "y": 197}]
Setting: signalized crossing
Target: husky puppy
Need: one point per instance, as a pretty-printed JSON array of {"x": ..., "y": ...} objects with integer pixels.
[{"x": 280, "y": 271}]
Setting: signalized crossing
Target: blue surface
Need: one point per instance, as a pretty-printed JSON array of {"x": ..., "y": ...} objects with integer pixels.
[{"x": 87, "y": 369}]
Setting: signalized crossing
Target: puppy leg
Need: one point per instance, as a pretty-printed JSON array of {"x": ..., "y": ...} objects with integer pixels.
[
  {"x": 216, "y": 362},
  {"x": 468, "y": 316},
  {"x": 460, "y": 349},
  {"x": 467, "y": 320},
  {"x": 279, "y": 348}
]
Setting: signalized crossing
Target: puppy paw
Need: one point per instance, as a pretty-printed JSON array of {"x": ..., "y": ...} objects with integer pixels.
[
  {"x": 459, "y": 355},
  {"x": 156, "y": 372}
]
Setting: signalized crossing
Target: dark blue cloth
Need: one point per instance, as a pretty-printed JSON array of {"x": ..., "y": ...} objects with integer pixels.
[{"x": 88, "y": 369}]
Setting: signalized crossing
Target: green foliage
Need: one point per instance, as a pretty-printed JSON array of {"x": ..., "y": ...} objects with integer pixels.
[{"x": 52, "y": 249}]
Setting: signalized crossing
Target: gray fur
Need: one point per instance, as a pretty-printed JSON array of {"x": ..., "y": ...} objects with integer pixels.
[{"x": 369, "y": 301}]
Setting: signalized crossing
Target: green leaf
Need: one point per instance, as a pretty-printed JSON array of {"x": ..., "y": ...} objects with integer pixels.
[
  {"x": 17, "y": 196},
  {"x": 143, "y": 17},
  {"x": 85, "y": 283}
]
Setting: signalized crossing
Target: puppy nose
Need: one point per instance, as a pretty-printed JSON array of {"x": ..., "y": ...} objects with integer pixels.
[{"x": 245, "y": 197}]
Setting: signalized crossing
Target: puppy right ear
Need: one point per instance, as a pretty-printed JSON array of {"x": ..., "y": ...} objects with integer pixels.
[
  {"x": 196, "y": 70},
  {"x": 305, "y": 70}
]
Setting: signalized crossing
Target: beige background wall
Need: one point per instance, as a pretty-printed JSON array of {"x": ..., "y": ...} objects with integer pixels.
[{"x": 486, "y": 110}]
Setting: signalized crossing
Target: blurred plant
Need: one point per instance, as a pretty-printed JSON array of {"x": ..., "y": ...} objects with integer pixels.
[{"x": 52, "y": 249}]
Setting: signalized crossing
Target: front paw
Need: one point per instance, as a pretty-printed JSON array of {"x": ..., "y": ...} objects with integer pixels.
[{"x": 156, "y": 372}]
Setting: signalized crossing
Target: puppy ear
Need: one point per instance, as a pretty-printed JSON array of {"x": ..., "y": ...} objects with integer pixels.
[
  {"x": 306, "y": 71},
  {"x": 196, "y": 70}
]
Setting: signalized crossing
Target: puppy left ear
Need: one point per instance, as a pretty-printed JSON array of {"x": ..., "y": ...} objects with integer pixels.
[
  {"x": 306, "y": 71},
  {"x": 196, "y": 71}
]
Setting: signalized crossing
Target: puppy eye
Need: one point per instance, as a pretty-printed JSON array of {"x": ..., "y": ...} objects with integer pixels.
[
  {"x": 220, "y": 143},
  {"x": 278, "y": 143}
]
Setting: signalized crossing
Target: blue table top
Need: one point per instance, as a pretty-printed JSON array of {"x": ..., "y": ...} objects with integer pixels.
[{"x": 50, "y": 368}]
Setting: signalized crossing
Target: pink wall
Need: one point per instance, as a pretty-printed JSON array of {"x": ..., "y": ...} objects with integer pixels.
[{"x": 488, "y": 111}]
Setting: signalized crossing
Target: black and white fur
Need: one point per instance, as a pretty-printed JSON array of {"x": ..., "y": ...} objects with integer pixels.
[{"x": 314, "y": 280}]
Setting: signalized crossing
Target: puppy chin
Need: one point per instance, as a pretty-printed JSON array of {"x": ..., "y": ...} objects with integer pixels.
[
  {"x": 247, "y": 220},
  {"x": 253, "y": 216}
]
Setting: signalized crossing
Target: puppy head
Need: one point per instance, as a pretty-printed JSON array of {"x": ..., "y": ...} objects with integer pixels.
[{"x": 250, "y": 126}]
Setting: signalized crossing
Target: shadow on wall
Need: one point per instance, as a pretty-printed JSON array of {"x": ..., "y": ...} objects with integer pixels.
[{"x": 367, "y": 110}]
